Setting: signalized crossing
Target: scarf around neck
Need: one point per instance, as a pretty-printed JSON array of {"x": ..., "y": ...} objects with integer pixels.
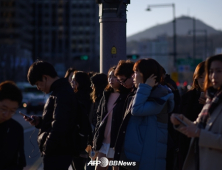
[{"x": 214, "y": 97}]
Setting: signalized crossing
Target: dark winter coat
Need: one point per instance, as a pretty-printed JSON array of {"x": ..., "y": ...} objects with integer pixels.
[
  {"x": 93, "y": 112},
  {"x": 117, "y": 118},
  {"x": 84, "y": 105},
  {"x": 12, "y": 146},
  {"x": 58, "y": 119},
  {"x": 122, "y": 130}
]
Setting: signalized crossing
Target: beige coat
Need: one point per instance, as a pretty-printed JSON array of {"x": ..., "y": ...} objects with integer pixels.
[{"x": 210, "y": 144}]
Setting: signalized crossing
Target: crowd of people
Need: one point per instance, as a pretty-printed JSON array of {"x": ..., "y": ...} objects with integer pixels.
[{"x": 134, "y": 113}]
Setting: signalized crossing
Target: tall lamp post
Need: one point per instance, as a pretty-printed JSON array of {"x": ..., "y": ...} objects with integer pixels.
[
  {"x": 205, "y": 32},
  {"x": 174, "y": 28},
  {"x": 194, "y": 35}
]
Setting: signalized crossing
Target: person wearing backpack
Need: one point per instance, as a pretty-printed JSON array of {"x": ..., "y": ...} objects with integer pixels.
[
  {"x": 81, "y": 86},
  {"x": 109, "y": 117},
  {"x": 58, "y": 118}
]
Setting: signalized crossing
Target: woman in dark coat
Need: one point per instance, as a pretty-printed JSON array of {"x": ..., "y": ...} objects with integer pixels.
[
  {"x": 81, "y": 86},
  {"x": 109, "y": 117},
  {"x": 191, "y": 105},
  {"x": 98, "y": 84}
]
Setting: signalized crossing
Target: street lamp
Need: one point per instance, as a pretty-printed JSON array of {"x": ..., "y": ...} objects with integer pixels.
[
  {"x": 205, "y": 32},
  {"x": 194, "y": 35},
  {"x": 174, "y": 28}
]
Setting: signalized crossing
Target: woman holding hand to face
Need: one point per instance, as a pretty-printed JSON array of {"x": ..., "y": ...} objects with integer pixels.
[
  {"x": 146, "y": 134},
  {"x": 205, "y": 150}
]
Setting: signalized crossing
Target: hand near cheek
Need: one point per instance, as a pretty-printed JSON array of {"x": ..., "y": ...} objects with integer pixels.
[{"x": 151, "y": 81}]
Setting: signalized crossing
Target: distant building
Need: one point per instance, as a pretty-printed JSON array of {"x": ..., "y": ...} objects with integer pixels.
[
  {"x": 15, "y": 39},
  {"x": 65, "y": 30},
  {"x": 156, "y": 49},
  {"x": 218, "y": 50}
]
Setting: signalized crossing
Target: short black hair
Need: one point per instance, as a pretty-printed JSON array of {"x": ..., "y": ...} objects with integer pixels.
[
  {"x": 9, "y": 90},
  {"x": 38, "y": 69}
]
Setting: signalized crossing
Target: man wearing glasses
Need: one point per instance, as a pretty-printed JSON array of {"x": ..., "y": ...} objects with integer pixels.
[{"x": 12, "y": 140}]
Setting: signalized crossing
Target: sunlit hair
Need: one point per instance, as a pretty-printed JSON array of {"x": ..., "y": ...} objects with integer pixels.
[
  {"x": 207, "y": 81},
  {"x": 69, "y": 72},
  {"x": 199, "y": 71},
  {"x": 124, "y": 68},
  {"x": 83, "y": 80},
  {"x": 148, "y": 67},
  {"x": 91, "y": 73}
]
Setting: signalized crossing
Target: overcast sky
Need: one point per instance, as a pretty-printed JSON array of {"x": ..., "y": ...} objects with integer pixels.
[{"x": 138, "y": 19}]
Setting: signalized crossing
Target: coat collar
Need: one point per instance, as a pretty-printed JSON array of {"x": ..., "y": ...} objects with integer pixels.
[
  {"x": 213, "y": 116},
  {"x": 59, "y": 83}
]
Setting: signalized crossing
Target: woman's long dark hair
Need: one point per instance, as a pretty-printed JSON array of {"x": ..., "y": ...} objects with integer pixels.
[
  {"x": 99, "y": 81},
  {"x": 83, "y": 80},
  {"x": 207, "y": 81},
  {"x": 197, "y": 73},
  {"x": 148, "y": 67},
  {"x": 109, "y": 88}
]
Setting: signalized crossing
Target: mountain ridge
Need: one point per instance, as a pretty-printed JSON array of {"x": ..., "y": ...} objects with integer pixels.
[{"x": 184, "y": 24}]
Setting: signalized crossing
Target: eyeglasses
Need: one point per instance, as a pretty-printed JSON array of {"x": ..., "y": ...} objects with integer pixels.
[
  {"x": 123, "y": 82},
  {"x": 7, "y": 111}
]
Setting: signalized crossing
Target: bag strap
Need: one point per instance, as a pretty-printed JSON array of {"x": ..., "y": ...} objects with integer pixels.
[
  {"x": 102, "y": 123},
  {"x": 106, "y": 116}
]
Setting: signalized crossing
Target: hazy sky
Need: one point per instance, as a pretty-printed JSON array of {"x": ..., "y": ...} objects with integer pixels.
[{"x": 138, "y": 19}]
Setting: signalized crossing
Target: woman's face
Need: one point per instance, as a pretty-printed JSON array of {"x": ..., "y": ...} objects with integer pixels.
[
  {"x": 137, "y": 78},
  {"x": 200, "y": 81},
  {"x": 74, "y": 83},
  {"x": 113, "y": 82},
  {"x": 215, "y": 74}
]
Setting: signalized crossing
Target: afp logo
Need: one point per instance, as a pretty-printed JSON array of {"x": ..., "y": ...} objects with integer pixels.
[{"x": 103, "y": 162}]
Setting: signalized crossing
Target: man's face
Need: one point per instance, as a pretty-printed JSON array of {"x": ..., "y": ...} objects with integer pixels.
[
  {"x": 7, "y": 109},
  {"x": 42, "y": 86},
  {"x": 127, "y": 82}
]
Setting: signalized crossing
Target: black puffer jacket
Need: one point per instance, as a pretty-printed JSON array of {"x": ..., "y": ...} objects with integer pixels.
[
  {"x": 58, "y": 119},
  {"x": 117, "y": 117}
]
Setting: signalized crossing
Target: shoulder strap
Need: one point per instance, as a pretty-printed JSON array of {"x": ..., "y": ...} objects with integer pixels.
[{"x": 106, "y": 115}]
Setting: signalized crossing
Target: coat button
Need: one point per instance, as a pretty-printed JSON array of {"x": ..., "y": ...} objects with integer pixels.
[
  {"x": 123, "y": 131},
  {"x": 118, "y": 153}
]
